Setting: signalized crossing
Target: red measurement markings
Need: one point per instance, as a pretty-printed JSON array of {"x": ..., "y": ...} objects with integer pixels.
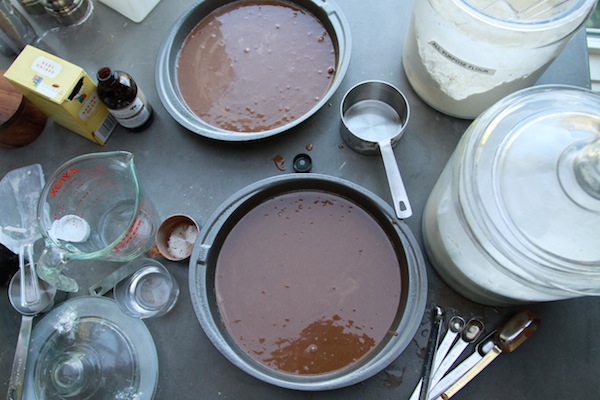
[
  {"x": 60, "y": 181},
  {"x": 135, "y": 227},
  {"x": 72, "y": 188}
]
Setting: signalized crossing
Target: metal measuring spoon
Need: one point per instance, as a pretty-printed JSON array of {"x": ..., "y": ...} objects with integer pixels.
[
  {"x": 511, "y": 336},
  {"x": 473, "y": 329},
  {"x": 482, "y": 348},
  {"x": 45, "y": 303},
  {"x": 455, "y": 327}
]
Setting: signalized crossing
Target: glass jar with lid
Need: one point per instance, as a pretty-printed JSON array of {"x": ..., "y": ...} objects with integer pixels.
[{"x": 515, "y": 215}]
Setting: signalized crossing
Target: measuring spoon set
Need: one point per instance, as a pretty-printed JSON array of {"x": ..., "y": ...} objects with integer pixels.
[{"x": 441, "y": 380}]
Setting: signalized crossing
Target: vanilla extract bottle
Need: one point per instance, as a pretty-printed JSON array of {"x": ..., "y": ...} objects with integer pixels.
[{"x": 124, "y": 99}]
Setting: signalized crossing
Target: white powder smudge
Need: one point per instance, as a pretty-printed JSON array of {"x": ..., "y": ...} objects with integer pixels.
[
  {"x": 70, "y": 228},
  {"x": 129, "y": 394},
  {"x": 67, "y": 323}
]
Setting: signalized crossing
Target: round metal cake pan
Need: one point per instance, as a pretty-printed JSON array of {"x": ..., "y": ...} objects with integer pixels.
[
  {"x": 328, "y": 13},
  {"x": 413, "y": 278}
]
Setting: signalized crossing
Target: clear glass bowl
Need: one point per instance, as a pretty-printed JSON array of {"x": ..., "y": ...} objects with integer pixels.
[{"x": 88, "y": 349}]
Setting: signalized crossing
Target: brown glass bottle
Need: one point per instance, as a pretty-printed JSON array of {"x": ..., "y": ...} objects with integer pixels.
[{"x": 124, "y": 99}]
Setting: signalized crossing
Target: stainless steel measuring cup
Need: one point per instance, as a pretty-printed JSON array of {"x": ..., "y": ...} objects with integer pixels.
[
  {"x": 374, "y": 115},
  {"x": 69, "y": 12}
]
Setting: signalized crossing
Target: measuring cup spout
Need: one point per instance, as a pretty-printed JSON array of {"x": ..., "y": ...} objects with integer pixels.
[{"x": 49, "y": 268}]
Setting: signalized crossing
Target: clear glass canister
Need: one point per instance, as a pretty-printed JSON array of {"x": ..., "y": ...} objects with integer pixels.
[
  {"x": 461, "y": 56},
  {"x": 515, "y": 215}
]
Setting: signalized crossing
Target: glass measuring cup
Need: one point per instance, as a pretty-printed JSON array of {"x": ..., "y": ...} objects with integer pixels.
[{"x": 93, "y": 207}]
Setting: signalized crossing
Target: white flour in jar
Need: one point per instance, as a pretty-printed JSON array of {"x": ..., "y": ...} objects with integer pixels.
[
  {"x": 462, "y": 264},
  {"x": 467, "y": 61},
  {"x": 461, "y": 65}
]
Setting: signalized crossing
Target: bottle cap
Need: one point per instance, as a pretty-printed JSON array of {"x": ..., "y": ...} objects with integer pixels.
[{"x": 302, "y": 163}]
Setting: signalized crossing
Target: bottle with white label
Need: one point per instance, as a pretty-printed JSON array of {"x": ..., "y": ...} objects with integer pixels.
[{"x": 124, "y": 99}]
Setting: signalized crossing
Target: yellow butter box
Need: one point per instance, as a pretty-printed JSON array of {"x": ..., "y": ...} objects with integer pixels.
[{"x": 63, "y": 91}]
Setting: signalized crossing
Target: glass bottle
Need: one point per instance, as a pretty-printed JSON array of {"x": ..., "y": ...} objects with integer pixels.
[
  {"x": 15, "y": 30},
  {"x": 69, "y": 12},
  {"x": 124, "y": 99}
]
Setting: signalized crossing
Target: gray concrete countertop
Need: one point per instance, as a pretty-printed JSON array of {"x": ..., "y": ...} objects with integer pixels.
[{"x": 185, "y": 173}]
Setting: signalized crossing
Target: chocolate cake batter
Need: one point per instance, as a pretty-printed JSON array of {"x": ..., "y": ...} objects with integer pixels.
[
  {"x": 252, "y": 66},
  {"x": 308, "y": 283}
]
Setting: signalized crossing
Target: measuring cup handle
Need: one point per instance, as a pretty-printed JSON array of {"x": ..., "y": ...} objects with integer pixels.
[
  {"x": 49, "y": 267},
  {"x": 399, "y": 196}
]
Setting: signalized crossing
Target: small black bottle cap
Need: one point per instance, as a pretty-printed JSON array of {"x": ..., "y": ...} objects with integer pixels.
[{"x": 302, "y": 163}]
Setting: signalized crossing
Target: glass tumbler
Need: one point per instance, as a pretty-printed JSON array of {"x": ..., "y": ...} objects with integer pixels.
[
  {"x": 462, "y": 56},
  {"x": 150, "y": 291}
]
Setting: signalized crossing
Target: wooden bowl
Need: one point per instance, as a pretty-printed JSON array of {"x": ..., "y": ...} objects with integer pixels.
[{"x": 21, "y": 122}]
